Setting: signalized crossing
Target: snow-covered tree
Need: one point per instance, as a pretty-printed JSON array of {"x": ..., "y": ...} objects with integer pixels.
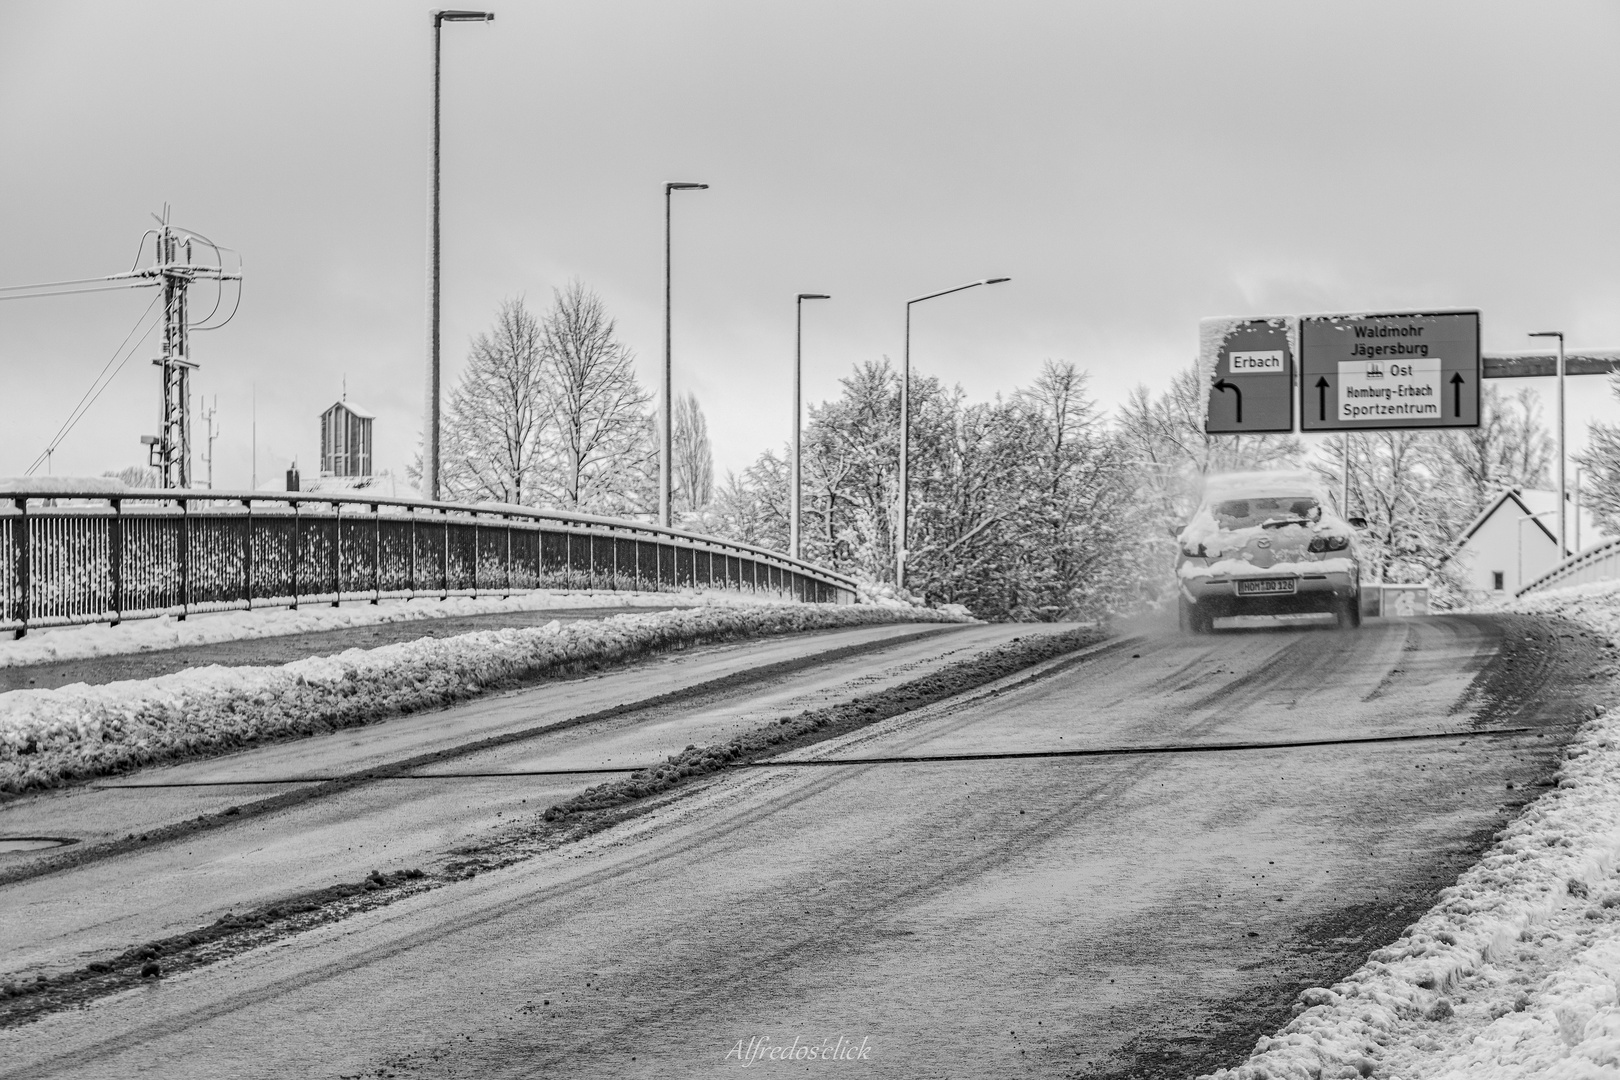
[
  {"x": 1510, "y": 448},
  {"x": 599, "y": 450},
  {"x": 694, "y": 459},
  {"x": 493, "y": 423},
  {"x": 1600, "y": 477}
]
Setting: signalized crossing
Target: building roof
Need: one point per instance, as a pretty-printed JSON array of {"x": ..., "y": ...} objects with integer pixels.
[
  {"x": 351, "y": 407},
  {"x": 1532, "y": 501}
]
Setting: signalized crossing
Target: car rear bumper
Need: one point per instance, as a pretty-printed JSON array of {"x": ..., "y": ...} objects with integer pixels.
[{"x": 1219, "y": 596}]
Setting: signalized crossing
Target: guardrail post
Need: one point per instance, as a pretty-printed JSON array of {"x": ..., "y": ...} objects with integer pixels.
[
  {"x": 295, "y": 531},
  {"x": 376, "y": 553},
  {"x": 444, "y": 593},
  {"x": 247, "y": 552},
  {"x": 185, "y": 557},
  {"x": 337, "y": 553},
  {"x": 507, "y": 518},
  {"x": 115, "y": 558},
  {"x": 476, "y": 554},
  {"x": 23, "y": 575},
  {"x": 410, "y": 573}
]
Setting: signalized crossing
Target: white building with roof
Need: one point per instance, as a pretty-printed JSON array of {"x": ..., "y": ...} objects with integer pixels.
[{"x": 1514, "y": 540}]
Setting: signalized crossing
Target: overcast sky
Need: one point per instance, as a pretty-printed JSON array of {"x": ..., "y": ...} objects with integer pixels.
[{"x": 1131, "y": 166}]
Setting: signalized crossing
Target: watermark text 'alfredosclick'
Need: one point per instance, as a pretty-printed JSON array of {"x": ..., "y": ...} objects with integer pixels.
[{"x": 760, "y": 1048}]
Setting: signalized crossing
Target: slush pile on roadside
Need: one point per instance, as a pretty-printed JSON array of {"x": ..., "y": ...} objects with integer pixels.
[
  {"x": 1515, "y": 972},
  {"x": 212, "y": 628},
  {"x": 75, "y": 732}
]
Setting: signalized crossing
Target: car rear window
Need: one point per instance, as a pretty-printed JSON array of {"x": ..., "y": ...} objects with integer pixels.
[{"x": 1247, "y": 513}]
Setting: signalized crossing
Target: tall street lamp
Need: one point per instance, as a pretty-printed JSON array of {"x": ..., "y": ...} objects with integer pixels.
[
  {"x": 430, "y": 454},
  {"x": 798, "y": 349},
  {"x": 666, "y": 446},
  {"x": 905, "y": 426},
  {"x": 1563, "y": 548}
]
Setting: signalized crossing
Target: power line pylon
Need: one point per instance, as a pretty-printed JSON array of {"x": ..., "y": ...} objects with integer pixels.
[{"x": 175, "y": 271}]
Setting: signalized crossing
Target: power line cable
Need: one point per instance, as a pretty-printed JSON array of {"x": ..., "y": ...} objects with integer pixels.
[
  {"x": 138, "y": 284},
  {"x": 84, "y": 405}
]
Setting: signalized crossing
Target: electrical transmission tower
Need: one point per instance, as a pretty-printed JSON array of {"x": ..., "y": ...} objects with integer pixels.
[{"x": 174, "y": 272}]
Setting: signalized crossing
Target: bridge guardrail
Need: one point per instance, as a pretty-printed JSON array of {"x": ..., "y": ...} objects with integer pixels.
[
  {"x": 72, "y": 556},
  {"x": 1601, "y": 563}
]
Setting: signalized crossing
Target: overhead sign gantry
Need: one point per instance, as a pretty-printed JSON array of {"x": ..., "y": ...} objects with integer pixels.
[{"x": 1362, "y": 372}]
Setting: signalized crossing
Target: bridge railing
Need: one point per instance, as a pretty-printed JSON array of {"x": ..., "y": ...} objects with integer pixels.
[
  {"x": 1600, "y": 563},
  {"x": 71, "y": 557}
]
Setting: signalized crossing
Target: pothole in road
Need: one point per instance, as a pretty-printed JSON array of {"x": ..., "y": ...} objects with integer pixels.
[{"x": 9, "y": 844}]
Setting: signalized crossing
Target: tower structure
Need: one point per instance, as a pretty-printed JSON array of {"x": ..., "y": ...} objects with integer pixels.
[{"x": 175, "y": 272}]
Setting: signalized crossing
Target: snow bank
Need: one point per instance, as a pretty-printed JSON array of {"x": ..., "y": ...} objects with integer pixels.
[
  {"x": 167, "y": 632},
  {"x": 63, "y": 485},
  {"x": 1515, "y": 972},
  {"x": 49, "y": 736}
]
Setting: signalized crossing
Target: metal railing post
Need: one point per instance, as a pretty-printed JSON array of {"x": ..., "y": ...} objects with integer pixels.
[
  {"x": 247, "y": 552},
  {"x": 115, "y": 558},
  {"x": 295, "y": 531},
  {"x": 337, "y": 553},
  {"x": 376, "y": 553},
  {"x": 444, "y": 592},
  {"x": 23, "y": 573},
  {"x": 507, "y": 518},
  {"x": 185, "y": 557}
]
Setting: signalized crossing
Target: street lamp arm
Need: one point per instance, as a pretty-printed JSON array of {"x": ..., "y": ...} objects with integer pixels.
[
  {"x": 959, "y": 288},
  {"x": 462, "y": 16}
]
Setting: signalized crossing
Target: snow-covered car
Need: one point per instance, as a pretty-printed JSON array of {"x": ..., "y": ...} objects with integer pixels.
[{"x": 1267, "y": 544}]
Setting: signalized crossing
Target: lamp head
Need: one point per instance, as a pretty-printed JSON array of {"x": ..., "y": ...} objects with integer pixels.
[
  {"x": 994, "y": 280},
  {"x": 463, "y": 16},
  {"x": 1559, "y": 334},
  {"x": 814, "y": 296},
  {"x": 679, "y": 186}
]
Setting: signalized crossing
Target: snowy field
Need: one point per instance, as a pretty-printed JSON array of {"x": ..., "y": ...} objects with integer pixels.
[
  {"x": 1516, "y": 971},
  {"x": 167, "y": 632},
  {"x": 78, "y": 731}
]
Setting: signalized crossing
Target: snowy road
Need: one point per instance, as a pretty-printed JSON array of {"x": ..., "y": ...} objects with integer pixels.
[
  {"x": 110, "y": 903},
  {"x": 1063, "y": 916}
]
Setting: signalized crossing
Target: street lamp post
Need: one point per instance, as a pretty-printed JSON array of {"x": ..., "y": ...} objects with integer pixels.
[
  {"x": 666, "y": 446},
  {"x": 430, "y": 451},
  {"x": 905, "y": 427},
  {"x": 1563, "y": 548},
  {"x": 795, "y": 506}
]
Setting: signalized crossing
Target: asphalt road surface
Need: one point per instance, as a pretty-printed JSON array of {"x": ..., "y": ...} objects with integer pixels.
[{"x": 1145, "y": 915}]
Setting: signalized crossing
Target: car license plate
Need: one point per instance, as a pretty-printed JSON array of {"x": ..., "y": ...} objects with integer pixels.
[{"x": 1266, "y": 587}]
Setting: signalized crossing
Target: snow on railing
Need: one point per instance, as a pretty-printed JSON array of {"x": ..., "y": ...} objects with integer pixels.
[
  {"x": 1601, "y": 563},
  {"x": 73, "y": 554}
]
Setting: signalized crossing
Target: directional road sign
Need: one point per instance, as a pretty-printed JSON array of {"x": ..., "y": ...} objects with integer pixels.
[
  {"x": 1376, "y": 372},
  {"x": 1251, "y": 388}
]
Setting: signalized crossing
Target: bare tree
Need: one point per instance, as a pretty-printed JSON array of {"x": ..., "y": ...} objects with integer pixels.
[
  {"x": 694, "y": 459},
  {"x": 599, "y": 445},
  {"x": 492, "y": 426}
]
